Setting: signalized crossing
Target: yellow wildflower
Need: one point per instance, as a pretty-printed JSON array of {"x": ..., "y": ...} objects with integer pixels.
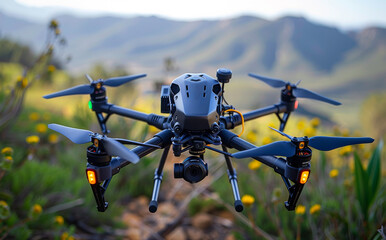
[
  {"x": 37, "y": 209},
  {"x": 266, "y": 140},
  {"x": 57, "y": 31},
  {"x": 4, "y": 210},
  {"x": 334, "y": 173},
  {"x": 345, "y": 150},
  {"x": 7, "y": 151},
  {"x": 54, "y": 24},
  {"x": 51, "y": 68},
  {"x": 41, "y": 128},
  {"x": 301, "y": 125},
  {"x": 315, "y": 209},
  {"x": 34, "y": 116},
  {"x": 53, "y": 138},
  {"x": 345, "y": 132},
  {"x": 247, "y": 200},
  {"x": 59, "y": 220},
  {"x": 315, "y": 122},
  {"x": 310, "y": 131},
  {"x": 271, "y": 124},
  {"x": 32, "y": 139},
  {"x": 252, "y": 136},
  {"x": 153, "y": 129},
  {"x": 300, "y": 209},
  {"x": 254, "y": 165},
  {"x": 64, "y": 236}
]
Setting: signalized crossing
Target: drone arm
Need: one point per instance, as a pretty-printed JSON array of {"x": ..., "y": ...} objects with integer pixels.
[
  {"x": 162, "y": 139},
  {"x": 235, "y": 120},
  {"x": 278, "y": 164},
  {"x": 151, "y": 119},
  {"x": 231, "y": 140}
]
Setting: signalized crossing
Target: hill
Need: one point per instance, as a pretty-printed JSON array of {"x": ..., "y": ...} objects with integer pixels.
[{"x": 347, "y": 66}]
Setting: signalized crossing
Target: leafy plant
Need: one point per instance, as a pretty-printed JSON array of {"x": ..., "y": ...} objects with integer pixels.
[{"x": 367, "y": 183}]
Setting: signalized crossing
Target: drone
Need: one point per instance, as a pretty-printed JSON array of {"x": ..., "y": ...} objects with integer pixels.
[{"x": 199, "y": 119}]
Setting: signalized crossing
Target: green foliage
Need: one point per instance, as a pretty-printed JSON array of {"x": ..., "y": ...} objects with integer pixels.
[
  {"x": 11, "y": 51},
  {"x": 367, "y": 181},
  {"x": 197, "y": 205}
]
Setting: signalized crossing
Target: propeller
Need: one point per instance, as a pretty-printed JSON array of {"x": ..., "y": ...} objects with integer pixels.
[
  {"x": 296, "y": 91},
  {"x": 288, "y": 149},
  {"x": 113, "y": 147},
  {"x": 88, "y": 89}
]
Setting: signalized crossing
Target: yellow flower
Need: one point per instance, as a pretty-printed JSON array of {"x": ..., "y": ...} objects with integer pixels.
[
  {"x": 41, "y": 128},
  {"x": 153, "y": 129},
  {"x": 54, "y": 24},
  {"x": 64, "y": 236},
  {"x": 345, "y": 132},
  {"x": 271, "y": 124},
  {"x": 22, "y": 81},
  {"x": 7, "y": 151},
  {"x": 334, "y": 173},
  {"x": 266, "y": 140},
  {"x": 254, "y": 165},
  {"x": 252, "y": 136},
  {"x": 37, "y": 209},
  {"x": 59, "y": 220},
  {"x": 32, "y": 139},
  {"x": 300, "y": 209},
  {"x": 345, "y": 150},
  {"x": 8, "y": 158},
  {"x": 315, "y": 209},
  {"x": 34, "y": 116},
  {"x": 247, "y": 200},
  {"x": 57, "y": 31},
  {"x": 310, "y": 131},
  {"x": 301, "y": 125},
  {"x": 3, "y": 203},
  {"x": 315, "y": 122},
  {"x": 51, "y": 68},
  {"x": 53, "y": 138},
  {"x": 4, "y": 210}
]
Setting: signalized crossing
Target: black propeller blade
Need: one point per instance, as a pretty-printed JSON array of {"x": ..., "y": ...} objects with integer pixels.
[
  {"x": 88, "y": 89},
  {"x": 288, "y": 149},
  {"x": 324, "y": 143},
  {"x": 80, "y": 136},
  {"x": 81, "y": 89},
  {"x": 296, "y": 91},
  {"x": 281, "y": 148},
  {"x": 125, "y": 141},
  {"x": 114, "y": 148},
  {"x": 276, "y": 83},
  {"x": 118, "y": 81}
]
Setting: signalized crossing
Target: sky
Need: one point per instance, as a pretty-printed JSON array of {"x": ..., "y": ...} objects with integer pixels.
[{"x": 342, "y": 13}]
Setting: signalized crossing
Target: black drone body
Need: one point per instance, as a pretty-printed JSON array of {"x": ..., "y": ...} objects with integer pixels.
[{"x": 198, "y": 118}]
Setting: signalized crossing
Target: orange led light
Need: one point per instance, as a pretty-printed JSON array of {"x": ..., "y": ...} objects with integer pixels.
[
  {"x": 304, "y": 176},
  {"x": 91, "y": 176},
  {"x": 296, "y": 104}
]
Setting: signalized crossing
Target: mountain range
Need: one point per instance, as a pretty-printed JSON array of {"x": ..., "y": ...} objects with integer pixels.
[{"x": 338, "y": 63}]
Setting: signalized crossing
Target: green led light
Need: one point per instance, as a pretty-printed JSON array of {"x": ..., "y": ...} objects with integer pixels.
[{"x": 90, "y": 104}]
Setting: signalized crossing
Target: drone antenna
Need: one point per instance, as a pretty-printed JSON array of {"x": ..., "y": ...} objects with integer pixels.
[{"x": 223, "y": 76}]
